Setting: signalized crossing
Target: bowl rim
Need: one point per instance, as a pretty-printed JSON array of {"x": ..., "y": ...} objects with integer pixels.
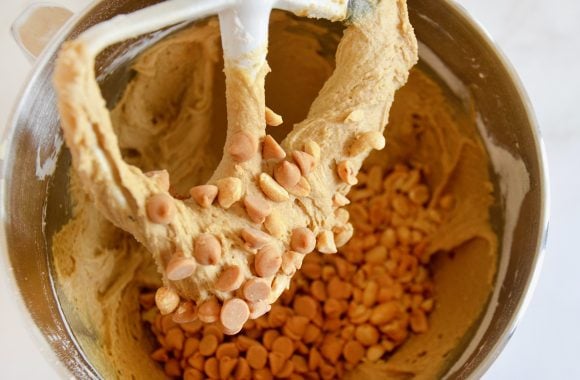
[{"x": 544, "y": 189}]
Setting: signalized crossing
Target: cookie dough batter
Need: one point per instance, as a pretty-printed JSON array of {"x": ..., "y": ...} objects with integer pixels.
[
  {"x": 172, "y": 115},
  {"x": 270, "y": 211}
]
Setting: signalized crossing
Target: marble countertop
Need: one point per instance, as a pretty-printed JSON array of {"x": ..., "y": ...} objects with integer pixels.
[{"x": 542, "y": 40}]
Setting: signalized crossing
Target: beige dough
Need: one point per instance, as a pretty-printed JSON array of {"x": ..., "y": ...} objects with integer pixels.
[
  {"x": 355, "y": 100},
  {"x": 172, "y": 115}
]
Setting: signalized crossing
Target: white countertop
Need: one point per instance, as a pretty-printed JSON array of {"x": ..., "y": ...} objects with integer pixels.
[{"x": 542, "y": 39}]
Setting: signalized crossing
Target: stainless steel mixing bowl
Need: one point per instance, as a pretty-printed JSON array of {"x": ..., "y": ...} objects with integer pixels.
[{"x": 34, "y": 205}]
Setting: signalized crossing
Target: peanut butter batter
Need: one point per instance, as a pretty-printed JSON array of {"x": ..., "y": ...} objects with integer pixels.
[
  {"x": 344, "y": 123},
  {"x": 172, "y": 116}
]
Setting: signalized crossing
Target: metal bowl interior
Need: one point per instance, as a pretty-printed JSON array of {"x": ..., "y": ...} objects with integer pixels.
[{"x": 30, "y": 198}]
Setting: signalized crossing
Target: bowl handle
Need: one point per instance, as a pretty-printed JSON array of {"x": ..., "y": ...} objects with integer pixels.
[{"x": 36, "y": 26}]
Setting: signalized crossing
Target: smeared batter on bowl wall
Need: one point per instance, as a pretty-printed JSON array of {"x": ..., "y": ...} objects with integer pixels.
[{"x": 101, "y": 268}]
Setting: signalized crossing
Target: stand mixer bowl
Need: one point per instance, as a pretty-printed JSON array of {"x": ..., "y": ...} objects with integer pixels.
[{"x": 31, "y": 193}]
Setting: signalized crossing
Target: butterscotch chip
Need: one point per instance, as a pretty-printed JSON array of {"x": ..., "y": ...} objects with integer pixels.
[
  {"x": 367, "y": 335},
  {"x": 287, "y": 174},
  {"x": 353, "y": 352},
  {"x": 377, "y": 255},
  {"x": 234, "y": 313},
  {"x": 254, "y": 238},
  {"x": 204, "y": 195},
  {"x": 172, "y": 368},
  {"x": 180, "y": 268},
  {"x": 276, "y": 361},
  {"x": 370, "y": 293},
  {"x": 215, "y": 330},
  {"x": 342, "y": 215},
  {"x": 325, "y": 242},
  {"x": 311, "y": 333},
  {"x": 331, "y": 348},
  {"x": 346, "y": 172},
  {"x": 244, "y": 343},
  {"x": 197, "y": 361},
  {"x": 419, "y": 322},
  {"x": 319, "y": 319},
  {"x": 269, "y": 337},
  {"x": 338, "y": 289},
  {"x": 367, "y": 140},
  {"x": 358, "y": 314},
  {"x": 302, "y": 188},
  {"x": 340, "y": 200},
  {"x": 227, "y": 349},
  {"x": 192, "y": 327},
  {"x": 186, "y": 312},
  {"x": 211, "y": 368},
  {"x": 192, "y": 374},
  {"x": 243, "y": 371},
  {"x": 257, "y": 356},
  {"x": 395, "y": 331},
  {"x": 332, "y": 325},
  {"x": 242, "y": 147},
  {"x": 279, "y": 315},
  {"x": 166, "y": 300},
  {"x": 327, "y": 371},
  {"x": 267, "y": 262},
  {"x": 160, "y": 355},
  {"x": 284, "y": 346},
  {"x": 295, "y": 327},
  {"x": 304, "y": 161},
  {"x": 229, "y": 279},
  {"x": 312, "y": 271},
  {"x": 271, "y": 150},
  {"x": 191, "y": 345},
  {"x": 256, "y": 289},
  {"x": 174, "y": 339},
  {"x": 318, "y": 290},
  {"x": 208, "y": 345},
  {"x": 300, "y": 364},
  {"x": 314, "y": 359},
  {"x": 291, "y": 261},
  {"x": 385, "y": 313},
  {"x": 302, "y": 348},
  {"x": 347, "y": 332},
  {"x": 419, "y": 194},
  {"x": 272, "y": 189},
  {"x": 257, "y": 208},
  {"x": 355, "y": 116},
  {"x": 207, "y": 250},
  {"x": 258, "y": 308},
  {"x": 286, "y": 371},
  {"x": 208, "y": 311},
  {"x": 332, "y": 308},
  {"x": 230, "y": 191},
  {"x": 226, "y": 366},
  {"x": 302, "y": 240},
  {"x": 262, "y": 374},
  {"x": 275, "y": 225},
  {"x": 375, "y": 178},
  {"x": 375, "y": 352},
  {"x": 160, "y": 208},
  {"x": 272, "y": 118},
  {"x": 305, "y": 306}
]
